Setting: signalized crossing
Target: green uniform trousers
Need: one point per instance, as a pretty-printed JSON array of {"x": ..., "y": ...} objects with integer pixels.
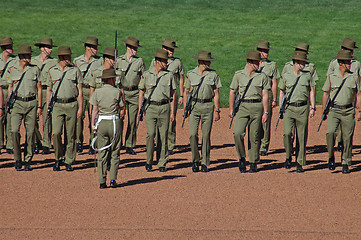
[
  {"x": 105, "y": 135},
  {"x": 24, "y": 111},
  {"x": 131, "y": 105},
  {"x": 46, "y": 129},
  {"x": 64, "y": 114},
  {"x": 201, "y": 112},
  {"x": 157, "y": 119},
  {"x": 5, "y": 130},
  {"x": 345, "y": 118},
  {"x": 266, "y": 130},
  {"x": 249, "y": 114},
  {"x": 80, "y": 121},
  {"x": 296, "y": 118}
]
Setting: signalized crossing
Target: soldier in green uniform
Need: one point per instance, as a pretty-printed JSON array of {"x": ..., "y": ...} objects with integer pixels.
[
  {"x": 270, "y": 69},
  {"x": 342, "y": 112},
  {"x": 175, "y": 66},
  {"x": 158, "y": 86},
  {"x": 44, "y": 62},
  {"x": 132, "y": 67},
  {"x": 107, "y": 105},
  {"x": 84, "y": 62},
  {"x": 23, "y": 79},
  {"x": 254, "y": 86},
  {"x": 298, "y": 108},
  {"x": 66, "y": 108},
  {"x": 203, "y": 83},
  {"x": 350, "y": 45},
  {"x": 7, "y": 59}
]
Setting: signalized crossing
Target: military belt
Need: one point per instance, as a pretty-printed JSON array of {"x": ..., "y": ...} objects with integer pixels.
[
  {"x": 69, "y": 100},
  {"x": 26, "y": 99},
  {"x": 342, "y": 107},
  {"x": 203, "y": 100},
  {"x": 130, "y": 88},
  {"x": 298, "y": 104},
  {"x": 159, "y": 103},
  {"x": 251, "y": 100}
]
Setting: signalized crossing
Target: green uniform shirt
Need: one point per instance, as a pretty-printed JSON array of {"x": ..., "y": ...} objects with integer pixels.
[
  {"x": 310, "y": 67},
  {"x": 165, "y": 85},
  {"x": 302, "y": 90},
  {"x": 355, "y": 67},
  {"x": 260, "y": 82},
  {"x": 44, "y": 67},
  {"x": 72, "y": 78},
  {"x": 83, "y": 65},
  {"x": 174, "y": 65},
  {"x": 134, "y": 73},
  {"x": 28, "y": 86},
  {"x": 270, "y": 69},
  {"x": 11, "y": 60},
  {"x": 108, "y": 99},
  {"x": 348, "y": 90},
  {"x": 210, "y": 83}
]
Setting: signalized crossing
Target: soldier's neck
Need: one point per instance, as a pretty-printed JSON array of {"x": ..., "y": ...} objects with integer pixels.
[
  {"x": 129, "y": 56},
  {"x": 202, "y": 68},
  {"x": 250, "y": 70},
  {"x": 23, "y": 64},
  {"x": 43, "y": 57},
  {"x": 6, "y": 55},
  {"x": 88, "y": 56},
  {"x": 296, "y": 70},
  {"x": 158, "y": 69},
  {"x": 343, "y": 70},
  {"x": 63, "y": 65}
]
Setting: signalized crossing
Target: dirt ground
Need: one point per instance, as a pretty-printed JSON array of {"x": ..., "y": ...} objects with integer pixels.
[{"x": 274, "y": 203}]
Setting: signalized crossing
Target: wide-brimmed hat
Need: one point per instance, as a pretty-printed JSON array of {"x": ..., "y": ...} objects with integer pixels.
[
  {"x": 263, "y": 44},
  {"x": 344, "y": 55},
  {"x": 91, "y": 41},
  {"x": 300, "y": 55},
  {"x": 64, "y": 50},
  {"x": 109, "y": 52},
  {"x": 6, "y": 41},
  {"x": 45, "y": 42},
  {"x": 170, "y": 43},
  {"x": 204, "y": 55},
  {"x": 24, "y": 49},
  {"x": 132, "y": 41},
  {"x": 302, "y": 46},
  {"x": 161, "y": 53},
  {"x": 253, "y": 55},
  {"x": 349, "y": 43},
  {"x": 108, "y": 73}
]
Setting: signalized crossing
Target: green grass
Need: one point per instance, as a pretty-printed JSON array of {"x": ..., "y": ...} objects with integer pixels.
[{"x": 227, "y": 28}]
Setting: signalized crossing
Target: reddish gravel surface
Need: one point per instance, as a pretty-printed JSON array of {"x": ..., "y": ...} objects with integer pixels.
[{"x": 274, "y": 203}]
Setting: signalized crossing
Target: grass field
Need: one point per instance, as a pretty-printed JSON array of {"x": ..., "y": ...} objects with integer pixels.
[{"x": 227, "y": 28}]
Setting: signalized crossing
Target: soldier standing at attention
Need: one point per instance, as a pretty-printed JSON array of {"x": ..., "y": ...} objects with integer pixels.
[
  {"x": 23, "y": 78},
  {"x": 175, "y": 66},
  {"x": 342, "y": 112},
  {"x": 158, "y": 87},
  {"x": 44, "y": 62},
  {"x": 132, "y": 67},
  {"x": 84, "y": 62},
  {"x": 270, "y": 69},
  {"x": 7, "y": 59},
  {"x": 253, "y": 86},
  {"x": 300, "y": 83},
  {"x": 203, "y": 83},
  {"x": 66, "y": 108},
  {"x": 107, "y": 104}
]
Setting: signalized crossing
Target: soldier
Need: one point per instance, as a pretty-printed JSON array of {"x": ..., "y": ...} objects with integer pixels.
[
  {"x": 23, "y": 78},
  {"x": 107, "y": 104},
  {"x": 158, "y": 88},
  {"x": 299, "y": 87},
  {"x": 203, "y": 83},
  {"x": 132, "y": 67},
  {"x": 270, "y": 69},
  {"x": 346, "y": 85},
  {"x": 44, "y": 62},
  {"x": 7, "y": 59},
  {"x": 67, "y": 109},
  {"x": 84, "y": 62},
  {"x": 253, "y": 85},
  {"x": 175, "y": 66}
]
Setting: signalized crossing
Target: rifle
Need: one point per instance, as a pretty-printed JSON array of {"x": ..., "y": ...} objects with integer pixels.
[
  {"x": 52, "y": 100},
  {"x": 237, "y": 102},
  {"x": 12, "y": 98},
  {"x": 116, "y": 50}
]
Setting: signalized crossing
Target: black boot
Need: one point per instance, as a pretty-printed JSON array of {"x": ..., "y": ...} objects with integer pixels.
[
  {"x": 27, "y": 166},
  {"x": 331, "y": 163},
  {"x": 18, "y": 165},
  {"x": 345, "y": 169},
  {"x": 56, "y": 167},
  {"x": 253, "y": 168},
  {"x": 242, "y": 165},
  {"x": 79, "y": 147},
  {"x": 46, "y": 150},
  {"x": 299, "y": 168},
  {"x": 288, "y": 163},
  {"x": 195, "y": 167}
]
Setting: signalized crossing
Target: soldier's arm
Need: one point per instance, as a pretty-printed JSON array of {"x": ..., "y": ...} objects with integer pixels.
[
  {"x": 1, "y": 101},
  {"x": 232, "y": 96},
  {"x": 80, "y": 99},
  {"x": 265, "y": 105},
  {"x": 40, "y": 98},
  {"x": 217, "y": 104},
  {"x": 325, "y": 97},
  {"x": 282, "y": 94},
  {"x": 94, "y": 115},
  {"x": 313, "y": 100},
  {"x": 181, "y": 88},
  {"x": 172, "y": 105},
  {"x": 274, "y": 92}
]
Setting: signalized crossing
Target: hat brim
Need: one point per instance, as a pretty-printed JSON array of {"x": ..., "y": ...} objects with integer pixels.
[
  {"x": 301, "y": 59},
  {"x": 352, "y": 58},
  {"x": 91, "y": 44},
  {"x": 125, "y": 41},
  {"x": 154, "y": 55},
  {"x": 302, "y": 49},
  {"x": 355, "y": 48},
  {"x": 6, "y": 44},
  {"x": 106, "y": 54},
  {"x": 262, "y": 47},
  {"x": 44, "y": 44},
  {"x": 248, "y": 58},
  {"x": 204, "y": 59},
  {"x": 168, "y": 46}
]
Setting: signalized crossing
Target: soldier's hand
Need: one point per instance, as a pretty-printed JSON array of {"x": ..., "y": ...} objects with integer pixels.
[
  {"x": 122, "y": 113},
  {"x": 172, "y": 118},
  {"x": 274, "y": 104},
  {"x": 230, "y": 113},
  {"x": 264, "y": 117},
  {"x": 180, "y": 101},
  {"x": 312, "y": 113},
  {"x": 217, "y": 116},
  {"x": 358, "y": 116},
  {"x": 39, "y": 112},
  {"x": 80, "y": 113},
  {"x": 94, "y": 129},
  {"x": 1, "y": 112}
]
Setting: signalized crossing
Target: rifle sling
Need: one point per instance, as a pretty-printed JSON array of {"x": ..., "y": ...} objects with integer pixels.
[
  {"x": 57, "y": 90},
  {"x": 4, "y": 69},
  {"x": 247, "y": 87},
  {"x": 151, "y": 93},
  {"x": 87, "y": 68},
  {"x": 199, "y": 86},
  {"x": 293, "y": 88},
  {"x": 338, "y": 91}
]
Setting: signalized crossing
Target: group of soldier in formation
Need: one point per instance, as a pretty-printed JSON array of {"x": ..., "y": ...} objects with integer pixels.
[{"x": 111, "y": 86}]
